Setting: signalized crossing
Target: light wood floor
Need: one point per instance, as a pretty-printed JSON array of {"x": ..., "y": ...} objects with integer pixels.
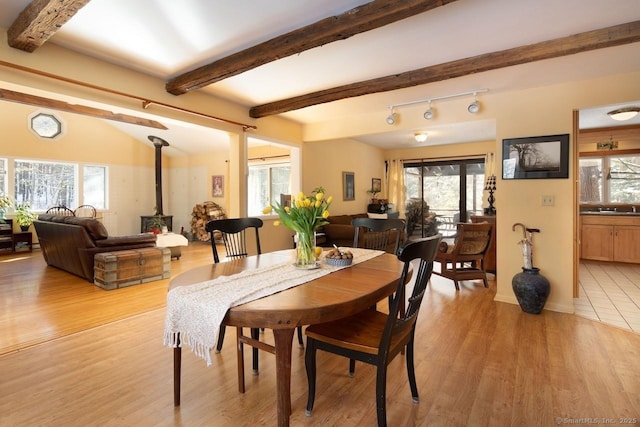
[{"x": 72, "y": 354}]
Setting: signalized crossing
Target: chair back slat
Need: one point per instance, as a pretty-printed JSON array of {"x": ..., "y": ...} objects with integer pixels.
[
  {"x": 424, "y": 252},
  {"x": 234, "y": 238},
  {"x": 379, "y": 233}
]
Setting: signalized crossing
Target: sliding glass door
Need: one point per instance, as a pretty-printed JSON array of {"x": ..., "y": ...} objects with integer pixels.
[{"x": 441, "y": 194}]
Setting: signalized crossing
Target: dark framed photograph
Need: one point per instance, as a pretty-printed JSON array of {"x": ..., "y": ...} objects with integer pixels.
[
  {"x": 536, "y": 157},
  {"x": 376, "y": 185},
  {"x": 348, "y": 186},
  {"x": 217, "y": 186}
]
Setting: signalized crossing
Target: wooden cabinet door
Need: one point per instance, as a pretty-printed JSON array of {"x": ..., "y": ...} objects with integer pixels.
[
  {"x": 596, "y": 242},
  {"x": 626, "y": 243}
]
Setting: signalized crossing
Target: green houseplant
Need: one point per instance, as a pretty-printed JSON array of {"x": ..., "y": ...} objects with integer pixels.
[
  {"x": 24, "y": 216},
  {"x": 156, "y": 223},
  {"x": 5, "y": 203}
]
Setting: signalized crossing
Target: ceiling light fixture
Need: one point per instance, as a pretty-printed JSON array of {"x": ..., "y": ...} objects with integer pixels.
[
  {"x": 428, "y": 115},
  {"x": 391, "y": 118},
  {"x": 623, "y": 114},
  {"x": 420, "y": 136},
  {"x": 474, "y": 107}
]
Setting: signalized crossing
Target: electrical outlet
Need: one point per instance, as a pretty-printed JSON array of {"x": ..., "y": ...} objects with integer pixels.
[{"x": 547, "y": 200}]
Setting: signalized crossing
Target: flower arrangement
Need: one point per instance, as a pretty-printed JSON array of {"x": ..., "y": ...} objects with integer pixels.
[{"x": 305, "y": 216}]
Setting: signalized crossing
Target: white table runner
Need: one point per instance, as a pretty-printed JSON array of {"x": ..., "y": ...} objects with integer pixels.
[{"x": 196, "y": 312}]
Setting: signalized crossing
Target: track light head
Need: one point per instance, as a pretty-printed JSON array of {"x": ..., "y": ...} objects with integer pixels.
[
  {"x": 391, "y": 118},
  {"x": 430, "y": 113},
  {"x": 474, "y": 107}
]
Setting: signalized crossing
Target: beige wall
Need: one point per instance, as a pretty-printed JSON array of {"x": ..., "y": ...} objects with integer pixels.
[{"x": 324, "y": 162}]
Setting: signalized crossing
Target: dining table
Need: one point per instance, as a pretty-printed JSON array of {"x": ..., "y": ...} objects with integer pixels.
[{"x": 339, "y": 294}]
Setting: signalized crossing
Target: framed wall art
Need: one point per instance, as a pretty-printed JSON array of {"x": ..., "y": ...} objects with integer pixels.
[
  {"x": 217, "y": 186},
  {"x": 348, "y": 186},
  {"x": 376, "y": 185},
  {"x": 536, "y": 157}
]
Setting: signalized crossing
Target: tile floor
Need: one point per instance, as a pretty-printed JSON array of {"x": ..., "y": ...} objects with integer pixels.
[{"x": 610, "y": 293}]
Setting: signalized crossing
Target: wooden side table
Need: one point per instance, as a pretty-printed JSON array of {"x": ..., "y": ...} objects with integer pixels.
[{"x": 22, "y": 240}]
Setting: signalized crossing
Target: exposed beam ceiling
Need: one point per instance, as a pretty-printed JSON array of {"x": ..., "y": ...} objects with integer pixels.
[
  {"x": 590, "y": 40},
  {"x": 367, "y": 17},
  {"x": 39, "y": 21},
  {"x": 23, "y": 98}
]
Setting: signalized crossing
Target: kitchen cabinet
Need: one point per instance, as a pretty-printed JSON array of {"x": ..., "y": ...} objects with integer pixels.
[{"x": 610, "y": 238}]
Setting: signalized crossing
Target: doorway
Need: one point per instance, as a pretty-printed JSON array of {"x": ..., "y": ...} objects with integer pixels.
[
  {"x": 606, "y": 153},
  {"x": 444, "y": 191}
]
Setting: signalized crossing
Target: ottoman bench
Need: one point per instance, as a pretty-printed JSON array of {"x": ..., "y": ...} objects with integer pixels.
[{"x": 119, "y": 269}]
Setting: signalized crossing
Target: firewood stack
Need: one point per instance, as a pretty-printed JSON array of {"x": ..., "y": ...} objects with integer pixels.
[{"x": 201, "y": 214}]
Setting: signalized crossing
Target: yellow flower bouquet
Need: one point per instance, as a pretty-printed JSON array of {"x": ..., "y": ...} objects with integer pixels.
[{"x": 305, "y": 216}]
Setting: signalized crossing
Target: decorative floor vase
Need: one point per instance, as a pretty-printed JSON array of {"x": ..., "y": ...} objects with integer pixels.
[
  {"x": 306, "y": 250},
  {"x": 531, "y": 289}
]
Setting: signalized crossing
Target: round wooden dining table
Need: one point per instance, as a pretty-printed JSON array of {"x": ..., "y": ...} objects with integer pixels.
[{"x": 337, "y": 295}]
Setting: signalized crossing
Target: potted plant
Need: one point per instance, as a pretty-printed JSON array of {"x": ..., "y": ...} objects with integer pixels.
[
  {"x": 24, "y": 216},
  {"x": 373, "y": 193},
  {"x": 5, "y": 203},
  {"x": 155, "y": 224}
]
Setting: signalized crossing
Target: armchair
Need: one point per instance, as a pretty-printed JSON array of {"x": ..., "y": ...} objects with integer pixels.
[{"x": 464, "y": 259}]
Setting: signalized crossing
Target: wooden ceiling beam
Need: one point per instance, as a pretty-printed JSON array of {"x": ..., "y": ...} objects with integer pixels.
[
  {"x": 583, "y": 42},
  {"x": 39, "y": 21},
  {"x": 363, "y": 18},
  {"x": 24, "y": 98}
]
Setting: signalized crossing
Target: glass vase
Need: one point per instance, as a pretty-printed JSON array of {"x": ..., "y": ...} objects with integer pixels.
[{"x": 306, "y": 250}]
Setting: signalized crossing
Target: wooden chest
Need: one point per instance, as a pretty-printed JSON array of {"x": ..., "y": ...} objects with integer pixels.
[{"x": 125, "y": 268}]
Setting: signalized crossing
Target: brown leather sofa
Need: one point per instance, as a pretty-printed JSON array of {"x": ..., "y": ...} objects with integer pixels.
[
  {"x": 339, "y": 231},
  {"x": 70, "y": 242}
]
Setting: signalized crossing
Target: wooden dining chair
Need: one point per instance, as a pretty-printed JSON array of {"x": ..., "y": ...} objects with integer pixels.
[
  {"x": 382, "y": 235},
  {"x": 60, "y": 210},
  {"x": 374, "y": 337},
  {"x": 233, "y": 233},
  {"x": 464, "y": 258},
  {"x": 85, "y": 211},
  {"x": 378, "y": 234}
]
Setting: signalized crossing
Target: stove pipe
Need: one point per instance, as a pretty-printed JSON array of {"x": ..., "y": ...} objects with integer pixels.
[{"x": 158, "y": 143}]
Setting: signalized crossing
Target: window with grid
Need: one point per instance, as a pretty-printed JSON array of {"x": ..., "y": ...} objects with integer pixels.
[{"x": 610, "y": 179}]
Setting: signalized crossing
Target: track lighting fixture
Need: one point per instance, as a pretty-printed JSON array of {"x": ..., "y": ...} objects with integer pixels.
[
  {"x": 391, "y": 118},
  {"x": 623, "y": 114},
  {"x": 474, "y": 107},
  {"x": 428, "y": 115},
  {"x": 420, "y": 136}
]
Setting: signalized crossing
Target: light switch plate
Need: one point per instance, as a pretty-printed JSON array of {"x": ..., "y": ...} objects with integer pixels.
[{"x": 547, "y": 200}]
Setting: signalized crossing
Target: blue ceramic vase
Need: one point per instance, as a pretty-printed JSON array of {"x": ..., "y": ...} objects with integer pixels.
[{"x": 531, "y": 289}]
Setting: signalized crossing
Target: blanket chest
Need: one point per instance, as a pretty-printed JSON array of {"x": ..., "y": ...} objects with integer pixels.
[{"x": 114, "y": 270}]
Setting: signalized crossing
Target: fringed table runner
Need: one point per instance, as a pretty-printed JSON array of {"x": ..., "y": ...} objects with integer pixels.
[{"x": 195, "y": 313}]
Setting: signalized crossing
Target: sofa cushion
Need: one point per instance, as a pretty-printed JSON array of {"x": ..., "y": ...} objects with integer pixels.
[{"x": 95, "y": 228}]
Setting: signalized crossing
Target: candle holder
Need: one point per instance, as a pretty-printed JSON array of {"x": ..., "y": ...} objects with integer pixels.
[{"x": 490, "y": 186}]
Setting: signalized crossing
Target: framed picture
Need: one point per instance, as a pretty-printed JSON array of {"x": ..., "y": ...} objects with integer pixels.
[
  {"x": 348, "y": 186},
  {"x": 217, "y": 186},
  {"x": 376, "y": 185},
  {"x": 536, "y": 157}
]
